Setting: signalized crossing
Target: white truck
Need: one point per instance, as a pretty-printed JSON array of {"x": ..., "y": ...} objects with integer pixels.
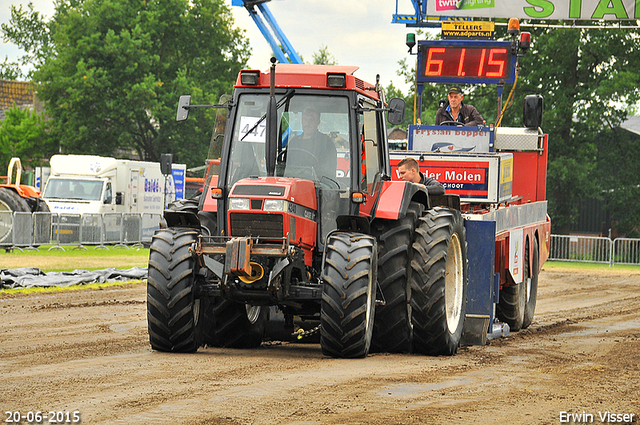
[{"x": 83, "y": 184}]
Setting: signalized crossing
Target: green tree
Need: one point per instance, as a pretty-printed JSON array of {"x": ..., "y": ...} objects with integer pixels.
[
  {"x": 9, "y": 70},
  {"x": 25, "y": 134},
  {"x": 30, "y": 32},
  {"x": 115, "y": 69},
  {"x": 323, "y": 57},
  {"x": 619, "y": 176},
  {"x": 432, "y": 94},
  {"x": 588, "y": 79}
]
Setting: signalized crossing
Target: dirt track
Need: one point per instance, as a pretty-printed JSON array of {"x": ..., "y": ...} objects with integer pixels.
[{"x": 88, "y": 351}]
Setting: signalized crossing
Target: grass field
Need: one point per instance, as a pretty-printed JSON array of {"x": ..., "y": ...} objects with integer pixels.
[
  {"x": 595, "y": 267},
  {"x": 121, "y": 258},
  {"x": 72, "y": 259}
]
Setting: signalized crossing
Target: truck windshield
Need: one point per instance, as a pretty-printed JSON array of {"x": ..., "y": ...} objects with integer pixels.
[
  {"x": 313, "y": 139},
  {"x": 84, "y": 190}
]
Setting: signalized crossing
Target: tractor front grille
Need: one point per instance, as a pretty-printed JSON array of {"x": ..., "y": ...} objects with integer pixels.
[{"x": 256, "y": 225}]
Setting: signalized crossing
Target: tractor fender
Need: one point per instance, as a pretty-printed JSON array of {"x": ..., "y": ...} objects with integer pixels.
[
  {"x": 181, "y": 219},
  {"x": 207, "y": 202},
  {"x": 396, "y": 196},
  {"x": 23, "y": 190}
]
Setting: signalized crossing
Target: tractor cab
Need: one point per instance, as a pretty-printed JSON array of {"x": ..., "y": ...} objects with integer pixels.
[
  {"x": 313, "y": 144},
  {"x": 294, "y": 182}
]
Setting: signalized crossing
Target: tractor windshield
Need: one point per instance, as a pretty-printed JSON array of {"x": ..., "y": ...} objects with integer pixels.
[{"x": 313, "y": 139}]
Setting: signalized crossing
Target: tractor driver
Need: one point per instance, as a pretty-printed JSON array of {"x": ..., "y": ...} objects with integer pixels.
[
  {"x": 409, "y": 170},
  {"x": 458, "y": 112},
  {"x": 312, "y": 148}
]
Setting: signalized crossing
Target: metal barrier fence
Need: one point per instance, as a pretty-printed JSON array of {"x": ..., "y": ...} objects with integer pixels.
[
  {"x": 626, "y": 251},
  {"x": 594, "y": 249},
  {"x": 23, "y": 230}
]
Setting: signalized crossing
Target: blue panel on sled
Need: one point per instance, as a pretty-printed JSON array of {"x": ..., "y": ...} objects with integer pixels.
[{"x": 481, "y": 240}]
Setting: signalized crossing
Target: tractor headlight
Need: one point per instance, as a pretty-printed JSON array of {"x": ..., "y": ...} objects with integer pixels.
[
  {"x": 275, "y": 205},
  {"x": 238, "y": 203},
  {"x": 249, "y": 78}
]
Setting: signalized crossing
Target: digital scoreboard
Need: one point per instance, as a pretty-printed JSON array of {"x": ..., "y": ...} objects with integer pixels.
[{"x": 465, "y": 61}]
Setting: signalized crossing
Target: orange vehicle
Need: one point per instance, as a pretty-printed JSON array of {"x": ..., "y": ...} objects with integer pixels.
[{"x": 16, "y": 197}]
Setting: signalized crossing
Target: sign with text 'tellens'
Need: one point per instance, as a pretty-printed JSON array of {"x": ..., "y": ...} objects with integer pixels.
[{"x": 538, "y": 9}]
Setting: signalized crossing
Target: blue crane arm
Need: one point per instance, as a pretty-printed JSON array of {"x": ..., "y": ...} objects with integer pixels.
[{"x": 271, "y": 31}]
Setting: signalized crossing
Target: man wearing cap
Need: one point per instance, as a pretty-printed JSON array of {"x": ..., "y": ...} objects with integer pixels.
[{"x": 465, "y": 115}]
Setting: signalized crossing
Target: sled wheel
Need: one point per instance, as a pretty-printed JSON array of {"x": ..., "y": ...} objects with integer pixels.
[
  {"x": 513, "y": 300},
  {"x": 532, "y": 284}
]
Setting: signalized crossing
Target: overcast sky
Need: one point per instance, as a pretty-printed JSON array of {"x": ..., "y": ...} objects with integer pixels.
[{"x": 356, "y": 32}]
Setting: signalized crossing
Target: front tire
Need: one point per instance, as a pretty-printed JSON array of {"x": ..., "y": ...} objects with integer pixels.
[
  {"x": 172, "y": 309},
  {"x": 439, "y": 282},
  {"x": 348, "y": 295}
]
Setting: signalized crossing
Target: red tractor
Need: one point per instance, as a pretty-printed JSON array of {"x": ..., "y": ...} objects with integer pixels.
[{"x": 304, "y": 218}]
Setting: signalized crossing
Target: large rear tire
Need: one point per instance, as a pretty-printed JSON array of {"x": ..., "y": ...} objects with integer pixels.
[
  {"x": 42, "y": 206},
  {"x": 439, "y": 282},
  {"x": 172, "y": 309},
  {"x": 348, "y": 295},
  {"x": 12, "y": 202},
  {"x": 532, "y": 284},
  {"x": 392, "y": 327}
]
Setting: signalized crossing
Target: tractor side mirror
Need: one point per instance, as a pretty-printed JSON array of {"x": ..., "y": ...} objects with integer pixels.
[
  {"x": 119, "y": 198},
  {"x": 396, "y": 111},
  {"x": 183, "y": 108},
  {"x": 532, "y": 113}
]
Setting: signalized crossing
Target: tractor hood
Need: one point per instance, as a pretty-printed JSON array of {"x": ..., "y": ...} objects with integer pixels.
[{"x": 293, "y": 190}]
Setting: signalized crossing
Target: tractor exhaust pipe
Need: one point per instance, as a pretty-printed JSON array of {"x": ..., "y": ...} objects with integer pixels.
[{"x": 272, "y": 123}]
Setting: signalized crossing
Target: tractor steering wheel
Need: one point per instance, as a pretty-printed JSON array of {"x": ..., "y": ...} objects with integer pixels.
[
  {"x": 449, "y": 122},
  {"x": 324, "y": 181},
  {"x": 301, "y": 151},
  {"x": 311, "y": 167}
]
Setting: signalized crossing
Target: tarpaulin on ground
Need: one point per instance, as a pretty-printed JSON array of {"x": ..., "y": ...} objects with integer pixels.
[{"x": 27, "y": 277}]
